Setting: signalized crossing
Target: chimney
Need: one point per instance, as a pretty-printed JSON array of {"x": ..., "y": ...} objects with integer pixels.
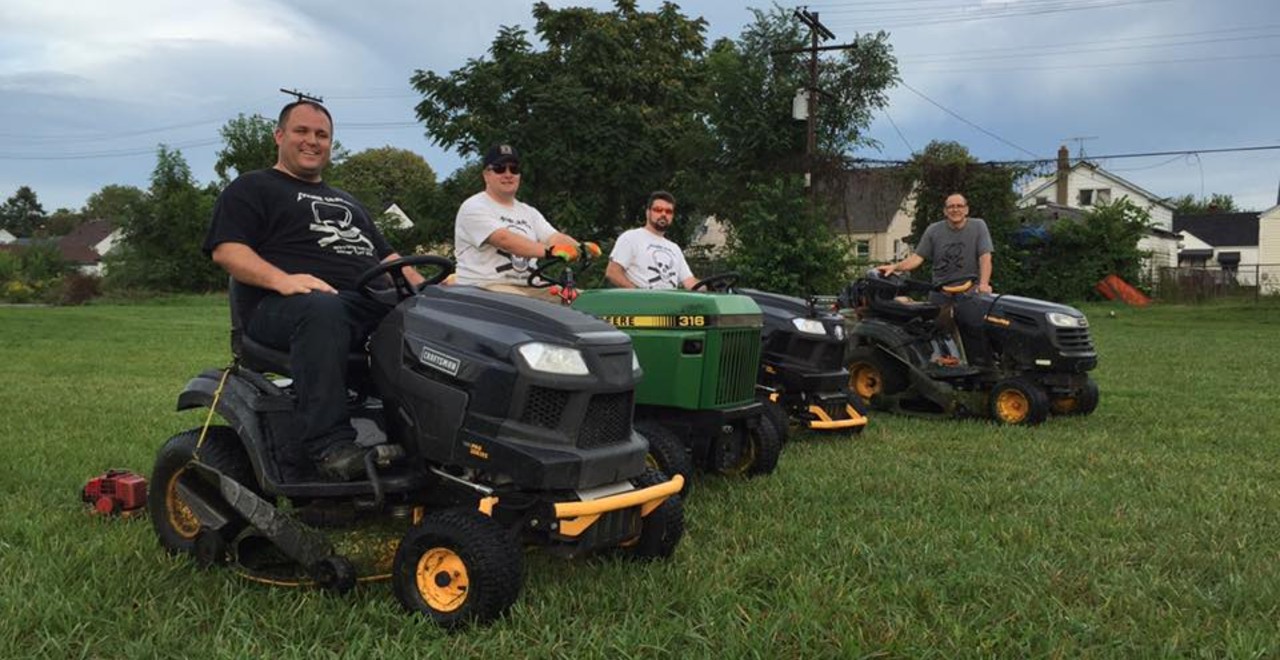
[{"x": 1064, "y": 168}]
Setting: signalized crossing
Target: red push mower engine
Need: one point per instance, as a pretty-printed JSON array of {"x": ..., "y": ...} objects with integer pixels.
[{"x": 116, "y": 492}]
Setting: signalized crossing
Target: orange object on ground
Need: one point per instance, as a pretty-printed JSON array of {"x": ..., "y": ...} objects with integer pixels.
[{"x": 1113, "y": 288}]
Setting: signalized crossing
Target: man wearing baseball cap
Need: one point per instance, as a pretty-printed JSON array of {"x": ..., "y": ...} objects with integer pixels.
[{"x": 497, "y": 239}]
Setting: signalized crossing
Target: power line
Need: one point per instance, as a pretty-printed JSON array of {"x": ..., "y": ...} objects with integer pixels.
[
  {"x": 1106, "y": 65},
  {"x": 957, "y": 116},
  {"x": 964, "y": 16},
  {"x": 1047, "y": 161}
]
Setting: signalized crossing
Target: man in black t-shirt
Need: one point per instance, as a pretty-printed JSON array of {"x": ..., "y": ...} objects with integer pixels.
[{"x": 299, "y": 246}]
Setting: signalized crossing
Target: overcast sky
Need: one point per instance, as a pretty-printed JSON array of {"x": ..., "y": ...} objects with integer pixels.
[{"x": 89, "y": 88}]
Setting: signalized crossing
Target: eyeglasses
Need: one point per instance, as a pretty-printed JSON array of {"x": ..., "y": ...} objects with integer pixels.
[
  {"x": 503, "y": 168},
  {"x": 957, "y": 206},
  {"x": 662, "y": 210}
]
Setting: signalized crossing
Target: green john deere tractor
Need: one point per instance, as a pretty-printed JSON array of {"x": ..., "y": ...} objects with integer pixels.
[{"x": 696, "y": 402}]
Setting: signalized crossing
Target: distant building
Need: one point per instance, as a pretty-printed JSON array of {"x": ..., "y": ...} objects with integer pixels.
[
  {"x": 87, "y": 244},
  {"x": 873, "y": 209}
]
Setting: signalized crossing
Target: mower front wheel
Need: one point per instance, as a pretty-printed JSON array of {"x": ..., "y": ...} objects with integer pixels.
[
  {"x": 1018, "y": 402},
  {"x": 756, "y": 453},
  {"x": 1083, "y": 402},
  {"x": 666, "y": 452},
  {"x": 777, "y": 416},
  {"x": 661, "y": 530},
  {"x": 176, "y": 525},
  {"x": 458, "y": 567}
]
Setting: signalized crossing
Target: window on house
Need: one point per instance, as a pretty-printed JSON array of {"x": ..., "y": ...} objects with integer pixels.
[
  {"x": 1085, "y": 197},
  {"x": 862, "y": 250},
  {"x": 1102, "y": 196}
]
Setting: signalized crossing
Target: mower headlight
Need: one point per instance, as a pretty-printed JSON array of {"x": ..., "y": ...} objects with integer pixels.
[
  {"x": 838, "y": 332},
  {"x": 809, "y": 326},
  {"x": 553, "y": 359},
  {"x": 1067, "y": 321}
]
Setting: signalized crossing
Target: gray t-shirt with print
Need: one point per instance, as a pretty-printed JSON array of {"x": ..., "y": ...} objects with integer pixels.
[{"x": 954, "y": 253}]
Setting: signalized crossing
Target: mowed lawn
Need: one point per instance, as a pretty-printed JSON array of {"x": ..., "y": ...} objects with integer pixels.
[{"x": 1151, "y": 528}]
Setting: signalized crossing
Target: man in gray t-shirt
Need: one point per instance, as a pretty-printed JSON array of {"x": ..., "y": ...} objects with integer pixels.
[{"x": 959, "y": 248}]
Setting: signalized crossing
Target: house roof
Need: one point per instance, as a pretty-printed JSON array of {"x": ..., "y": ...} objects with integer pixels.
[
  {"x": 865, "y": 200},
  {"x": 1219, "y": 229},
  {"x": 1051, "y": 180},
  {"x": 78, "y": 246}
]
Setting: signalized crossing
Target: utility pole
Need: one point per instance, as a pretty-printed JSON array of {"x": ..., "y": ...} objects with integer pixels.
[
  {"x": 816, "y": 30},
  {"x": 302, "y": 96}
]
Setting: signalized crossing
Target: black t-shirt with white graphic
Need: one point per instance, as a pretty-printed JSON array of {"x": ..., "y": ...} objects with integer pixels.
[{"x": 297, "y": 226}]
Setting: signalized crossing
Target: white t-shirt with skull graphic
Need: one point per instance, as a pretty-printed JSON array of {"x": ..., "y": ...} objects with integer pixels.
[
  {"x": 650, "y": 261},
  {"x": 482, "y": 263}
]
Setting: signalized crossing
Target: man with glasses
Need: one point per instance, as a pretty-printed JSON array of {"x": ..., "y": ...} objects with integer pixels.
[
  {"x": 497, "y": 239},
  {"x": 959, "y": 248},
  {"x": 644, "y": 258}
]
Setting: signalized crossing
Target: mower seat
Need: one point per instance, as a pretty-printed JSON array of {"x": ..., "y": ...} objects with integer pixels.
[
  {"x": 263, "y": 358},
  {"x": 895, "y": 310}
]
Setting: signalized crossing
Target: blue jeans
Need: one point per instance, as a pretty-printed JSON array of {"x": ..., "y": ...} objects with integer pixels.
[{"x": 318, "y": 330}]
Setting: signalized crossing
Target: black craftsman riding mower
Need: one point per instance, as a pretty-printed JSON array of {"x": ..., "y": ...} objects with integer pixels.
[
  {"x": 492, "y": 421},
  {"x": 908, "y": 356}
]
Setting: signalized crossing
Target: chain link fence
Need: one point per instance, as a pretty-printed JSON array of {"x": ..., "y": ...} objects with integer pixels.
[{"x": 1205, "y": 283}]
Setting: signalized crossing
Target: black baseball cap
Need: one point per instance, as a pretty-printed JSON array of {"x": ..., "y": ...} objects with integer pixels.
[{"x": 501, "y": 153}]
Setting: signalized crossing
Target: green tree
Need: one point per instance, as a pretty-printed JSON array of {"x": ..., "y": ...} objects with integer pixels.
[
  {"x": 62, "y": 222},
  {"x": 248, "y": 144},
  {"x": 115, "y": 203},
  {"x": 21, "y": 214},
  {"x": 781, "y": 243},
  {"x": 1081, "y": 251},
  {"x": 1215, "y": 203},
  {"x": 384, "y": 176},
  {"x": 160, "y": 246},
  {"x": 609, "y": 111}
]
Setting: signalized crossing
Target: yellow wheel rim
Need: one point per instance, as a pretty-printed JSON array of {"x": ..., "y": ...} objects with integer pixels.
[
  {"x": 181, "y": 518},
  {"x": 864, "y": 380},
  {"x": 1012, "y": 406},
  {"x": 651, "y": 461},
  {"x": 442, "y": 579}
]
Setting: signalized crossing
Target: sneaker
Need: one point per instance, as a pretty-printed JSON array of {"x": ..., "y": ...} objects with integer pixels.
[{"x": 344, "y": 462}]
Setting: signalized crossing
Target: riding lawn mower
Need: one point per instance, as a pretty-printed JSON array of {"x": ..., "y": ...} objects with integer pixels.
[
  {"x": 492, "y": 422},
  {"x": 907, "y": 356}
]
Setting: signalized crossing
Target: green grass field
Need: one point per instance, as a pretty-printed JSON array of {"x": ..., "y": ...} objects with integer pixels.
[{"x": 1151, "y": 528}]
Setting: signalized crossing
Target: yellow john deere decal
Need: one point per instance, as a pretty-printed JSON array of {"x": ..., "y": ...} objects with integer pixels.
[{"x": 655, "y": 321}]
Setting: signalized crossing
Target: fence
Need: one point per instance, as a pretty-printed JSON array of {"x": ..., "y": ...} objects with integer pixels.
[{"x": 1204, "y": 283}]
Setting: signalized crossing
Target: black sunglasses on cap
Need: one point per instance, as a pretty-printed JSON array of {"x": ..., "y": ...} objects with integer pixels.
[{"x": 503, "y": 168}]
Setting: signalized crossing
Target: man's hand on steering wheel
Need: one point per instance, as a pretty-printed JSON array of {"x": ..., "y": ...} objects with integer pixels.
[
  {"x": 401, "y": 287},
  {"x": 719, "y": 283}
]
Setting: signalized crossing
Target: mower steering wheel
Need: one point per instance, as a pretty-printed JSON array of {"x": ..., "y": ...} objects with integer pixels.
[
  {"x": 719, "y": 283},
  {"x": 401, "y": 288},
  {"x": 546, "y": 275}
]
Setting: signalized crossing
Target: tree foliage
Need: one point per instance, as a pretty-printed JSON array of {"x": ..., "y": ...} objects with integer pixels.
[
  {"x": 781, "y": 243},
  {"x": 1080, "y": 252},
  {"x": 1215, "y": 203},
  {"x": 248, "y": 144},
  {"x": 21, "y": 214},
  {"x": 384, "y": 176},
  {"x": 116, "y": 204},
  {"x": 160, "y": 246}
]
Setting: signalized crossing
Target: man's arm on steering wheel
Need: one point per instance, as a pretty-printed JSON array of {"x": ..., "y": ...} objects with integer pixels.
[
  {"x": 984, "y": 273},
  {"x": 243, "y": 263},
  {"x": 513, "y": 243},
  {"x": 410, "y": 273},
  {"x": 912, "y": 262}
]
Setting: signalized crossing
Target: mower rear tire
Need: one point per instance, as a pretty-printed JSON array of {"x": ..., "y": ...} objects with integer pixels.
[
  {"x": 873, "y": 373},
  {"x": 662, "y": 529},
  {"x": 176, "y": 525},
  {"x": 458, "y": 567},
  {"x": 666, "y": 452},
  {"x": 1083, "y": 403},
  {"x": 1018, "y": 402}
]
